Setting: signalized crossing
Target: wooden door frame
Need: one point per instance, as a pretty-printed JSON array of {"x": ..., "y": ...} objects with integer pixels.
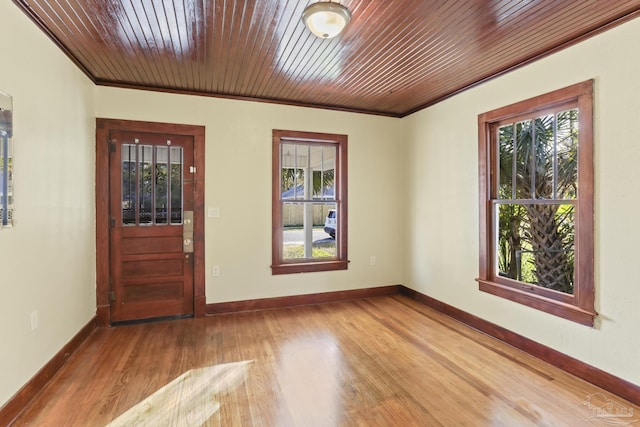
[{"x": 103, "y": 128}]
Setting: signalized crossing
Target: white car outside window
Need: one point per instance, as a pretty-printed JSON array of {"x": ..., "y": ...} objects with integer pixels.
[{"x": 330, "y": 223}]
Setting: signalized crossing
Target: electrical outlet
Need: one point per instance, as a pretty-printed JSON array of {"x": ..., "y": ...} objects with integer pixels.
[
  {"x": 34, "y": 320},
  {"x": 215, "y": 270},
  {"x": 372, "y": 260}
]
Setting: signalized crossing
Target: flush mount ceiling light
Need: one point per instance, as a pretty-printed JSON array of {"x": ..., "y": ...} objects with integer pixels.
[{"x": 325, "y": 19}]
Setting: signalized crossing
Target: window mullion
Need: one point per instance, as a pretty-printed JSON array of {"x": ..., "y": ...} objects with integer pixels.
[
  {"x": 514, "y": 162},
  {"x": 534, "y": 149},
  {"x": 168, "y": 186},
  {"x": 139, "y": 192},
  {"x": 134, "y": 190},
  {"x": 308, "y": 207},
  {"x": 322, "y": 172},
  {"x": 154, "y": 177},
  {"x": 555, "y": 156},
  {"x": 295, "y": 171}
]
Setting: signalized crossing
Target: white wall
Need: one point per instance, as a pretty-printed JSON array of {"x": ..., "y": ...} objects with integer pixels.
[
  {"x": 47, "y": 261},
  {"x": 442, "y": 238},
  {"x": 238, "y": 181}
]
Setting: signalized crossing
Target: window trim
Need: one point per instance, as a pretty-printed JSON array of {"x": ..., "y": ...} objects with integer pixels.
[
  {"x": 578, "y": 307},
  {"x": 340, "y": 262}
]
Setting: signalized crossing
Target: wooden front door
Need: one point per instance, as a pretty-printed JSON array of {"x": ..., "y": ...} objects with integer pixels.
[{"x": 151, "y": 242}]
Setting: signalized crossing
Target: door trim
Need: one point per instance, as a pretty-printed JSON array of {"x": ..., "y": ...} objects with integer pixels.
[{"x": 103, "y": 128}]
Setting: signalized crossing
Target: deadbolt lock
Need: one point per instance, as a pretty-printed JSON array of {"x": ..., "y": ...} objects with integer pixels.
[{"x": 187, "y": 232}]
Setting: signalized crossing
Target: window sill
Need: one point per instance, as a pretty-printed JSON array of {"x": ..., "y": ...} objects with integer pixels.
[
  {"x": 309, "y": 267},
  {"x": 522, "y": 296}
]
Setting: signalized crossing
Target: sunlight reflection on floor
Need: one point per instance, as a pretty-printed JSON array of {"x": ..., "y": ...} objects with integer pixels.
[
  {"x": 188, "y": 400},
  {"x": 309, "y": 377}
]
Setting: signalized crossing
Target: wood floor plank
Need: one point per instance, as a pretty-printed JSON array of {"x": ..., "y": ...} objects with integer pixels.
[
  {"x": 442, "y": 389},
  {"x": 476, "y": 366},
  {"x": 383, "y": 361}
]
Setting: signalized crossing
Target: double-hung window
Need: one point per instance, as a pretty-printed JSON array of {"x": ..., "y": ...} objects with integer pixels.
[
  {"x": 309, "y": 202},
  {"x": 536, "y": 202}
]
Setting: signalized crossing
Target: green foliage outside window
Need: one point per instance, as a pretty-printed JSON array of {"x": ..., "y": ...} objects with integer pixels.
[{"x": 537, "y": 183}]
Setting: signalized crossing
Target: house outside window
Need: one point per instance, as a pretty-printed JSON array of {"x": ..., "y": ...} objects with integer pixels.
[
  {"x": 536, "y": 202},
  {"x": 309, "y": 202}
]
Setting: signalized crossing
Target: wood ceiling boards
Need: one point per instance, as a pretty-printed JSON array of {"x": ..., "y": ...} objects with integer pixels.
[{"x": 395, "y": 57}]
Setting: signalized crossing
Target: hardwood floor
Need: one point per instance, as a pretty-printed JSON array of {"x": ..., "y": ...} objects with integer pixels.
[{"x": 383, "y": 361}]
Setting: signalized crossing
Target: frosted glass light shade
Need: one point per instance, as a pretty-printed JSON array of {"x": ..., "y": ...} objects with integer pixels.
[{"x": 326, "y": 20}]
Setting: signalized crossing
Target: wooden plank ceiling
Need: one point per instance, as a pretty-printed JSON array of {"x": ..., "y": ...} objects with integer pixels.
[{"x": 396, "y": 56}]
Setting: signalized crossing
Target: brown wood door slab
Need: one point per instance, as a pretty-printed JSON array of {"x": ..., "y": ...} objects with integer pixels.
[{"x": 151, "y": 202}]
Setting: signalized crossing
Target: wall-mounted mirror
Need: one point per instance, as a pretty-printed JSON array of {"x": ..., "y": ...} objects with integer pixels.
[{"x": 6, "y": 160}]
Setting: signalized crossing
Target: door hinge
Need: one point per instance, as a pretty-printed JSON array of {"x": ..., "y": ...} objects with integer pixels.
[
  {"x": 112, "y": 296},
  {"x": 112, "y": 222},
  {"x": 112, "y": 146},
  {"x": 192, "y": 169}
]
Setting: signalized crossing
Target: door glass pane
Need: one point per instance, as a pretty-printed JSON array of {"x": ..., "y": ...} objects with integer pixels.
[
  {"x": 129, "y": 193},
  {"x": 146, "y": 184},
  {"x": 161, "y": 184},
  {"x": 175, "y": 190},
  {"x": 535, "y": 244},
  {"x": 152, "y": 179}
]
